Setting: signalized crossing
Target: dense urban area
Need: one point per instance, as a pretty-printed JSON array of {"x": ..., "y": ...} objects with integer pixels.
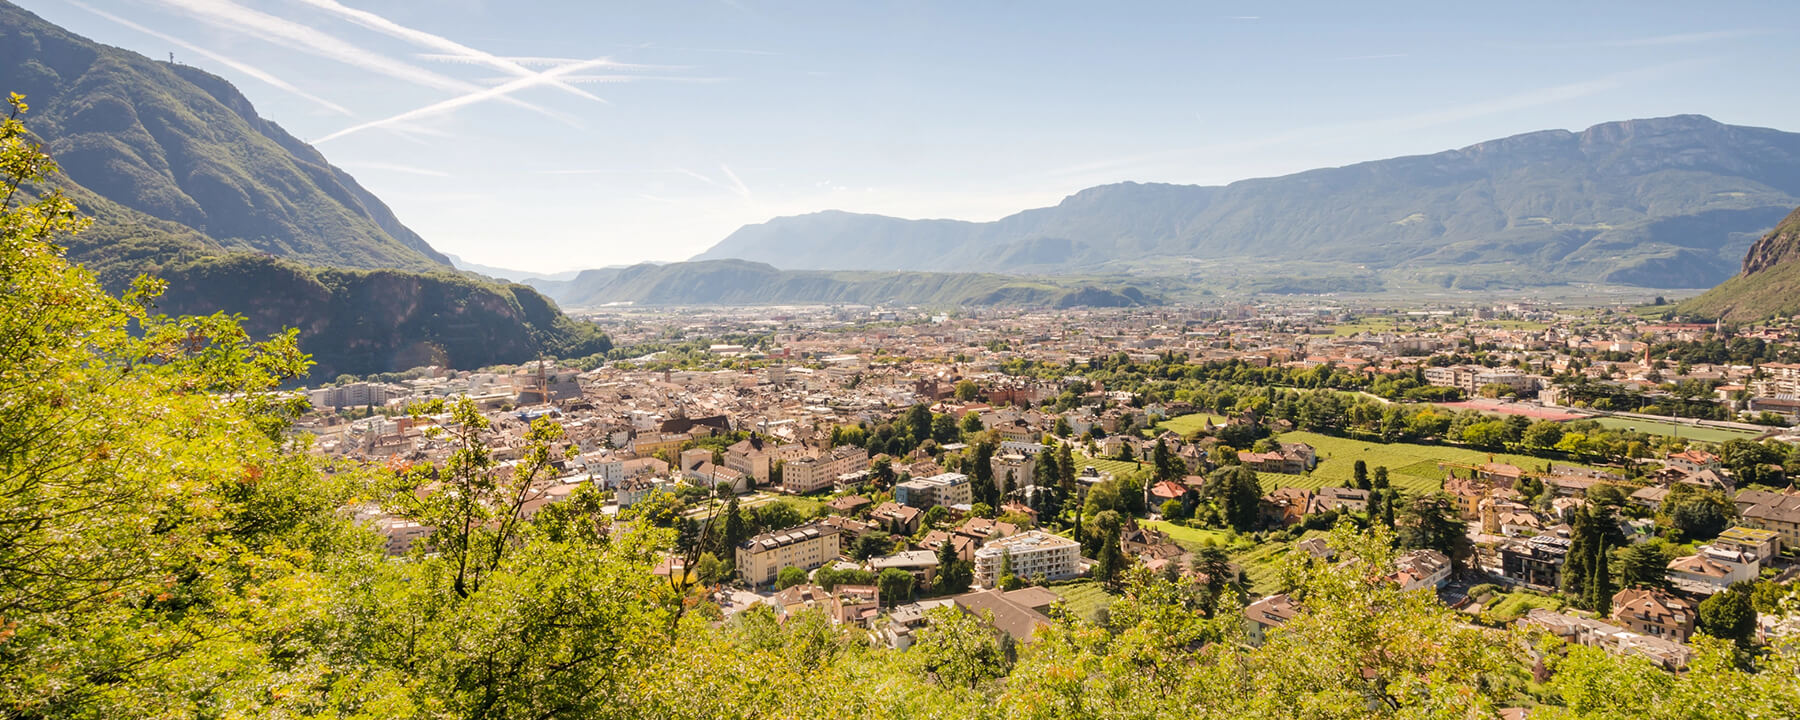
[{"x": 1605, "y": 477}]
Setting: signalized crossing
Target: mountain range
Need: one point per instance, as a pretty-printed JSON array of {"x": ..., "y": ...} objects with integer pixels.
[
  {"x": 185, "y": 181},
  {"x": 739, "y": 282},
  {"x": 1664, "y": 202}
]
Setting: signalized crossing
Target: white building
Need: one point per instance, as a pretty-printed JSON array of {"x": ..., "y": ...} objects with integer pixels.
[{"x": 1034, "y": 553}]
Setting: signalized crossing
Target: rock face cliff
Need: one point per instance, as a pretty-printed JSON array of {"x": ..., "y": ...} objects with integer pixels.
[
  {"x": 1769, "y": 285},
  {"x": 1782, "y": 245}
]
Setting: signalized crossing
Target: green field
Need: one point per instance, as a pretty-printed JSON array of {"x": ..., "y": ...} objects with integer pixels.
[
  {"x": 1190, "y": 538},
  {"x": 1187, "y": 424},
  {"x": 1410, "y": 467},
  {"x": 1657, "y": 427},
  {"x": 1084, "y": 598},
  {"x": 1106, "y": 465}
]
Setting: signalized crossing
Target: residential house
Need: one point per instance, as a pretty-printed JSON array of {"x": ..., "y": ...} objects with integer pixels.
[
  {"x": 1266, "y": 614},
  {"x": 1654, "y": 612}
]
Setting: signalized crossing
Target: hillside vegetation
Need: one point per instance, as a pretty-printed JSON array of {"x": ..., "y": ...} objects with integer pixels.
[{"x": 1769, "y": 285}]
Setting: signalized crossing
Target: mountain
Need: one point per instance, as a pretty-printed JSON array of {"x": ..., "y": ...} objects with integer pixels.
[
  {"x": 1768, "y": 286},
  {"x": 738, "y": 282},
  {"x": 1668, "y": 202},
  {"x": 185, "y": 181},
  {"x": 506, "y": 273}
]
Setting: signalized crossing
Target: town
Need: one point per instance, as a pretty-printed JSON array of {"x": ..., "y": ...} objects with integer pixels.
[{"x": 1608, "y": 477}]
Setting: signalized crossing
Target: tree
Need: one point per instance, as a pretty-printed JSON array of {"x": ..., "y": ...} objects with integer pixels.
[
  {"x": 1433, "y": 522},
  {"x": 954, "y": 574},
  {"x": 967, "y": 390},
  {"x": 1698, "y": 514},
  {"x": 1359, "y": 474},
  {"x": 959, "y": 649},
  {"x": 1644, "y": 564},
  {"x": 874, "y": 543},
  {"x": 944, "y": 429},
  {"x": 1217, "y": 579},
  {"x": 1007, "y": 579},
  {"x": 971, "y": 424},
  {"x": 1173, "y": 510},
  {"x": 896, "y": 586},
  {"x": 1728, "y": 615},
  {"x": 788, "y": 577},
  {"x": 881, "y": 472},
  {"x": 1167, "y": 466},
  {"x": 1238, "y": 494}
]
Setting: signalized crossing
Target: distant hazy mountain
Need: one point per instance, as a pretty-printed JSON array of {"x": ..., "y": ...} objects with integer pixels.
[
  {"x": 1768, "y": 286},
  {"x": 186, "y": 182},
  {"x": 507, "y": 274},
  {"x": 737, "y": 282},
  {"x": 1668, "y": 202}
]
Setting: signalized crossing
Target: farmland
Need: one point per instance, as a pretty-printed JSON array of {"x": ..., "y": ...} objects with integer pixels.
[{"x": 1084, "y": 598}]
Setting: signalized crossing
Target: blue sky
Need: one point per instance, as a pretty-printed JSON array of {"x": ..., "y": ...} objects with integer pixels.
[{"x": 559, "y": 135}]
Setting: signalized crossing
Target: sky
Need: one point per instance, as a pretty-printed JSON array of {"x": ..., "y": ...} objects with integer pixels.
[{"x": 551, "y": 136}]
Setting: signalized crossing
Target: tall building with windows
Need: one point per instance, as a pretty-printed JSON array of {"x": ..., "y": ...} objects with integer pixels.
[
  {"x": 760, "y": 558},
  {"x": 1034, "y": 553}
]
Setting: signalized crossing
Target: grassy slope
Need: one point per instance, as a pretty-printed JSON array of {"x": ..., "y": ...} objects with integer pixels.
[{"x": 1771, "y": 290}]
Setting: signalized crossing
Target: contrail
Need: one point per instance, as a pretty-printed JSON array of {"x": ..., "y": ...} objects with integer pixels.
[
  {"x": 497, "y": 91},
  {"x": 437, "y": 42},
  {"x": 293, "y": 35}
]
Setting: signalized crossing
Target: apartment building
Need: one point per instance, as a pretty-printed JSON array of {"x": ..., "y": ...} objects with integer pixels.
[
  {"x": 1034, "y": 553},
  {"x": 808, "y": 546},
  {"x": 943, "y": 489},
  {"x": 805, "y": 475}
]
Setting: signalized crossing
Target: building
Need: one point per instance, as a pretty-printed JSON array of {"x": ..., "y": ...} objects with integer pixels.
[
  {"x": 1034, "y": 553},
  {"x": 941, "y": 489},
  {"x": 1777, "y": 511},
  {"x": 806, "y": 547},
  {"x": 923, "y": 565},
  {"x": 1706, "y": 573},
  {"x": 1291, "y": 459},
  {"x": 1535, "y": 561},
  {"x": 355, "y": 395},
  {"x": 1654, "y": 612},
  {"x": 1764, "y": 545},
  {"x": 1422, "y": 570},
  {"x": 805, "y": 475},
  {"x": 1270, "y": 612},
  {"x": 1608, "y": 637}
]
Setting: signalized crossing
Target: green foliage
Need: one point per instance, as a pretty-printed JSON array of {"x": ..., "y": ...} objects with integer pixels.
[
  {"x": 788, "y": 577},
  {"x": 1729, "y": 615}
]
